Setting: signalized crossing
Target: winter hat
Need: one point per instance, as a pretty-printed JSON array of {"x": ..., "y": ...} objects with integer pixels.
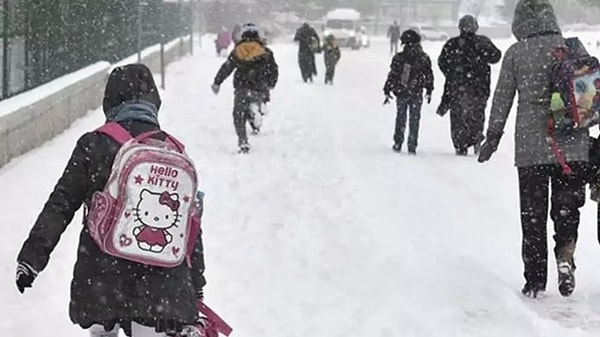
[
  {"x": 534, "y": 17},
  {"x": 410, "y": 36},
  {"x": 250, "y": 31},
  {"x": 133, "y": 82},
  {"x": 468, "y": 24}
]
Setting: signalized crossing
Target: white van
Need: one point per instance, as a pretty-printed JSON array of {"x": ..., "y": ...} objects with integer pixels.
[{"x": 344, "y": 24}]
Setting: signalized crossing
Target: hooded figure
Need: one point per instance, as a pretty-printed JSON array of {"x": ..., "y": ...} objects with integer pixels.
[
  {"x": 410, "y": 74},
  {"x": 308, "y": 44},
  {"x": 526, "y": 69},
  {"x": 465, "y": 61},
  {"x": 108, "y": 292},
  {"x": 256, "y": 74}
]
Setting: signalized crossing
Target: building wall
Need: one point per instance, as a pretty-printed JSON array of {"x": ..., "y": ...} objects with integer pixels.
[{"x": 409, "y": 12}]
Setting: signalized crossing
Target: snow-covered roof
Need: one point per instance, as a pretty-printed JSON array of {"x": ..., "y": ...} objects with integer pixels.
[{"x": 344, "y": 14}]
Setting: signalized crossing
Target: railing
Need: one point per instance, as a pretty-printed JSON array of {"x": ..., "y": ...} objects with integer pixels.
[{"x": 41, "y": 40}]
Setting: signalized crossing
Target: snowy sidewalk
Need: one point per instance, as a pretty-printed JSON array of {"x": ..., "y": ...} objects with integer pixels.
[{"x": 322, "y": 230}]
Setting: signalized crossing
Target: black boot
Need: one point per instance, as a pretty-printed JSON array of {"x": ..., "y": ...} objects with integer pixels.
[
  {"x": 462, "y": 152},
  {"x": 566, "y": 278},
  {"x": 244, "y": 148},
  {"x": 532, "y": 290},
  {"x": 565, "y": 264}
]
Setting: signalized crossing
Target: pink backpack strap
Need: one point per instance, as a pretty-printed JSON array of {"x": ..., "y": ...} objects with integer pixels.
[
  {"x": 176, "y": 143},
  {"x": 115, "y": 131},
  {"x": 218, "y": 323},
  {"x": 172, "y": 140}
]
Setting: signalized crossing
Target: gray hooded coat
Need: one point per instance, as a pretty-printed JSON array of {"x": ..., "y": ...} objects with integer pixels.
[{"x": 526, "y": 69}]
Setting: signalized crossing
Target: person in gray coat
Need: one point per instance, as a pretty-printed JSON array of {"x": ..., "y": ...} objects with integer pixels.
[{"x": 526, "y": 68}]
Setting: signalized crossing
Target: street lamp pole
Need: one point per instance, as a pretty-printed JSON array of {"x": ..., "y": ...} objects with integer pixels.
[
  {"x": 140, "y": 31},
  {"x": 192, "y": 23}
]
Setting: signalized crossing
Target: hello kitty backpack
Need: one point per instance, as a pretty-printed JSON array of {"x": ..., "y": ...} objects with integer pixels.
[{"x": 146, "y": 212}]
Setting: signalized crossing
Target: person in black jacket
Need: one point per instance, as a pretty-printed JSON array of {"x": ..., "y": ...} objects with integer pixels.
[
  {"x": 308, "y": 44},
  {"x": 465, "y": 61},
  {"x": 256, "y": 74},
  {"x": 410, "y": 74},
  {"x": 394, "y": 35},
  {"x": 108, "y": 292}
]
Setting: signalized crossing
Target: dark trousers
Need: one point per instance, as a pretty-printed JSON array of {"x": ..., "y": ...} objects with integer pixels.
[
  {"x": 393, "y": 46},
  {"x": 467, "y": 118},
  {"x": 242, "y": 112},
  {"x": 567, "y": 196},
  {"x": 308, "y": 67},
  {"x": 329, "y": 72},
  {"x": 411, "y": 106}
]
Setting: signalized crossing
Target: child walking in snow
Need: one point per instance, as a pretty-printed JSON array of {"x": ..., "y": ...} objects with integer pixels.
[
  {"x": 410, "y": 74},
  {"x": 331, "y": 54},
  {"x": 108, "y": 292},
  {"x": 256, "y": 74}
]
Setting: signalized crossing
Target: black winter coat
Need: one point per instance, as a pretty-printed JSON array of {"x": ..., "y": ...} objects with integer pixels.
[
  {"x": 306, "y": 36},
  {"x": 331, "y": 54},
  {"x": 254, "y": 65},
  {"x": 465, "y": 61},
  {"x": 415, "y": 64},
  {"x": 107, "y": 290}
]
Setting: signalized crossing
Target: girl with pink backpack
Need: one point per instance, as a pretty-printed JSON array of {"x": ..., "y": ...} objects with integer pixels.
[{"x": 140, "y": 260}]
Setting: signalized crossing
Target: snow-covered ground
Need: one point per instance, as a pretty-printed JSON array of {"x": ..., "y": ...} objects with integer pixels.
[{"x": 322, "y": 230}]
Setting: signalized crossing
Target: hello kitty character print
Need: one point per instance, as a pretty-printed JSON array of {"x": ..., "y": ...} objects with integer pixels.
[
  {"x": 157, "y": 213},
  {"x": 146, "y": 213}
]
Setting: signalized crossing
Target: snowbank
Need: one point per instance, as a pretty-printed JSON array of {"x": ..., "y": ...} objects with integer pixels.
[
  {"x": 30, "y": 119},
  {"x": 174, "y": 50}
]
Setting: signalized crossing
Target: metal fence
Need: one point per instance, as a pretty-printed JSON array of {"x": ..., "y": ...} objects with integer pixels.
[{"x": 41, "y": 40}]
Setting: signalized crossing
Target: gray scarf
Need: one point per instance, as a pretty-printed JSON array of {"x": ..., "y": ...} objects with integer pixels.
[{"x": 137, "y": 110}]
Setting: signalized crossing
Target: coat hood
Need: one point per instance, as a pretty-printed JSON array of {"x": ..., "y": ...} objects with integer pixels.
[
  {"x": 249, "y": 50},
  {"x": 133, "y": 82},
  {"x": 468, "y": 24},
  {"x": 534, "y": 17}
]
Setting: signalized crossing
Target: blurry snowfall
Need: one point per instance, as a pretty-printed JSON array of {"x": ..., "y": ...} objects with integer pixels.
[{"x": 322, "y": 231}]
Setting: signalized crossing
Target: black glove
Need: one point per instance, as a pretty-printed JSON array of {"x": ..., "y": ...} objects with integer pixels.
[
  {"x": 387, "y": 99},
  {"x": 25, "y": 276},
  {"x": 442, "y": 110},
  {"x": 215, "y": 88},
  {"x": 490, "y": 145}
]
